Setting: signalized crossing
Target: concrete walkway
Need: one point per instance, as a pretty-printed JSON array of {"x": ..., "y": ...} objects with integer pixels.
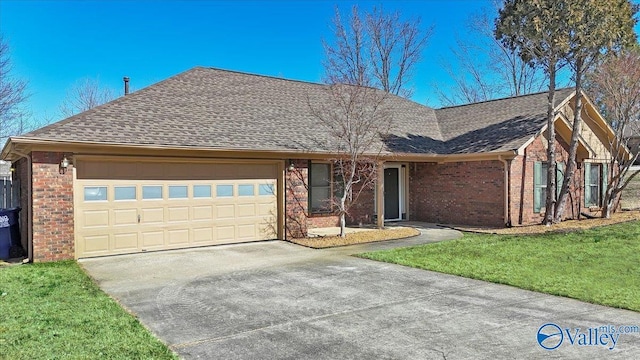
[{"x": 276, "y": 300}]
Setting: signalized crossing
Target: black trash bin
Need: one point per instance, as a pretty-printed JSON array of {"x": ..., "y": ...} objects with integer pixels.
[{"x": 9, "y": 231}]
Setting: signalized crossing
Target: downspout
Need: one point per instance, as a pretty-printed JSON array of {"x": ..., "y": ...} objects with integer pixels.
[
  {"x": 285, "y": 215},
  {"x": 29, "y": 204},
  {"x": 507, "y": 190}
]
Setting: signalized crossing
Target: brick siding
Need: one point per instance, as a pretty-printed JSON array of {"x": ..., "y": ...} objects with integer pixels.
[
  {"x": 298, "y": 220},
  {"x": 53, "y": 230},
  {"x": 522, "y": 210},
  {"x": 470, "y": 193}
]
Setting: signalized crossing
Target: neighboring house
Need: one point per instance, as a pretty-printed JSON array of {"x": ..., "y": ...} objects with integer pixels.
[{"x": 214, "y": 157}]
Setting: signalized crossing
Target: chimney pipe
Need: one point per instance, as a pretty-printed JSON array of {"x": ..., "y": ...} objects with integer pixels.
[{"x": 126, "y": 85}]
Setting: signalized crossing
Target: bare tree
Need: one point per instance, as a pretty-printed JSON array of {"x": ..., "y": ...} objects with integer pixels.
[
  {"x": 487, "y": 68},
  {"x": 615, "y": 87},
  {"x": 375, "y": 49},
  {"x": 356, "y": 119},
  {"x": 13, "y": 115},
  {"x": 85, "y": 94},
  {"x": 372, "y": 57}
]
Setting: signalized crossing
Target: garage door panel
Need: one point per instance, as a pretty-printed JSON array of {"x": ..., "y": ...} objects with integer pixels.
[
  {"x": 266, "y": 209},
  {"x": 178, "y": 237},
  {"x": 126, "y": 241},
  {"x": 267, "y": 233},
  {"x": 225, "y": 212},
  {"x": 246, "y": 210},
  {"x": 178, "y": 213},
  {"x": 152, "y": 239},
  {"x": 203, "y": 235},
  {"x": 96, "y": 218},
  {"x": 152, "y": 215},
  {"x": 247, "y": 231},
  {"x": 96, "y": 243},
  {"x": 125, "y": 217},
  {"x": 203, "y": 212},
  {"x": 168, "y": 205},
  {"x": 226, "y": 233}
]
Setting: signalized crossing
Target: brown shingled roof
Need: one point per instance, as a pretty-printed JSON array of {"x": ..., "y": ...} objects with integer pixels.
[
  {"x": 220, "y": 109},
  {"x": 495, "y": 125}
]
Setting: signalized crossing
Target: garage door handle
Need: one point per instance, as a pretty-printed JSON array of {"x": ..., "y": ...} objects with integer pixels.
[{"x": 138, "y": 218}]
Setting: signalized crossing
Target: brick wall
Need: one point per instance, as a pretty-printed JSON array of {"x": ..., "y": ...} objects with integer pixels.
[
  {"x": 522, "y": 211},
  {"x": 53, "y": 231},
  {"x": 469, "y": 193},
  {"x": 298, "y": 219}
]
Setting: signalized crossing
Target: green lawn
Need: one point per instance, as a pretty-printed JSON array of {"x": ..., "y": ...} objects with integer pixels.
[
  {"x": 55, "y": 311},
  {"x": 600, "y": 265}
]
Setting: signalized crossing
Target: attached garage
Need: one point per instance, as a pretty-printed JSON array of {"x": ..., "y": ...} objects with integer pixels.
[{"x": 133, "y": 205}]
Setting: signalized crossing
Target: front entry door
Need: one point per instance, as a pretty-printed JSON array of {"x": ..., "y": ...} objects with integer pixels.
[{"x": 391, "y": 194}]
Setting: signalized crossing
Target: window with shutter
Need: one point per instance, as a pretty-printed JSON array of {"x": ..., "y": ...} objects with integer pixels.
[
  {"x": 320, "y": 188},
  {"x": 539, "y": 186},
  {"x": 540, "y": 183},
  {"x": 592, "y": 184}
]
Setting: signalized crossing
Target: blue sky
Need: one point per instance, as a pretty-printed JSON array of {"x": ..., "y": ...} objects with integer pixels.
[{"x": 56, "y": 43}]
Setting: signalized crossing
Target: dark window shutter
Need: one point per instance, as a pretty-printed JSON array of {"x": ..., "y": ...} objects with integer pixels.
[
  {"x": 605, "y": 181},
  {"x": 537, "y": 182},
  {"x": 587, "y": 184},
  {"x": 559, "y": 177}
]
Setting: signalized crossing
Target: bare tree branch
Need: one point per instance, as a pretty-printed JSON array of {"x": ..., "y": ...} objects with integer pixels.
[
  {"x": 13, "y": 115},
  {"x": 615, "y": 86},
  {"x": 356, "y": 119},
  {"x": 375, "y": 49},
  {"x": 85, "y": 94},
  {"x": 487, "y": 68}
]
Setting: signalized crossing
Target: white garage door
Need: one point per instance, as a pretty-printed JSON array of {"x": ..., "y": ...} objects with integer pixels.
[{"x": 128, "y": 207}]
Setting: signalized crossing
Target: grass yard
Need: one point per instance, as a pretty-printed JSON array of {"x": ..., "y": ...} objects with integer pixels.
[
  {"x": 598, "y": 265},
  {"x": 55, "y": 311}
]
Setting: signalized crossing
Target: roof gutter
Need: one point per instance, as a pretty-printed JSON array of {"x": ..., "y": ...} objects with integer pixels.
[
  {"x": 507, "y": 189},
  {"x": 125, "y": 148}
]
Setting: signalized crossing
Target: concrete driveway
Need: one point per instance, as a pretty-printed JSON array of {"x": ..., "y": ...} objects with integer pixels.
[{"x": 276, "y": 300}]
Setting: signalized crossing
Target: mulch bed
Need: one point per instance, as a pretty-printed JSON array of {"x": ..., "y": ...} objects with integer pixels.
[
  {"x": 565, "y": 226},
  {"x": 359, "y": 237}
]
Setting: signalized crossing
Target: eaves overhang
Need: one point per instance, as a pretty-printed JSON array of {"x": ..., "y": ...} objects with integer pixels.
[{"x": 21, "y": 145}]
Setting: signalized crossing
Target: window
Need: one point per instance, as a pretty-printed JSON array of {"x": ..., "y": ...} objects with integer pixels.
[
  {"x": 320, "y": 188},
  {"x": 224, "y": 190},
  {"x": 124, "y": 193},
  {"x": 201, "y": 191},
  {"x": 151, "y": 192},
  {"x": 595, "y": 183},
  {"x": 177, "y": 192},
  {"x": 266, "y": 189},
  {"x": 245, "y": 190},
  {"x": 540, "y": 184},
  {"x": 95, "y": 193}
]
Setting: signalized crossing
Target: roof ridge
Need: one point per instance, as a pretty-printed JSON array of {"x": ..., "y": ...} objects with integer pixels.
[
  {"x": 503, "y": 98},
  {"x": 261, "y": 75}
]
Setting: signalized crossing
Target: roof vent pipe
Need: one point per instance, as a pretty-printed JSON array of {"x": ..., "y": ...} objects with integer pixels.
[{"x": 126, "y": 85}]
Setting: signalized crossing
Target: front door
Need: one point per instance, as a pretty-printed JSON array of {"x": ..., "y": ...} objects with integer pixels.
[{"x": 391, "y": 194}]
